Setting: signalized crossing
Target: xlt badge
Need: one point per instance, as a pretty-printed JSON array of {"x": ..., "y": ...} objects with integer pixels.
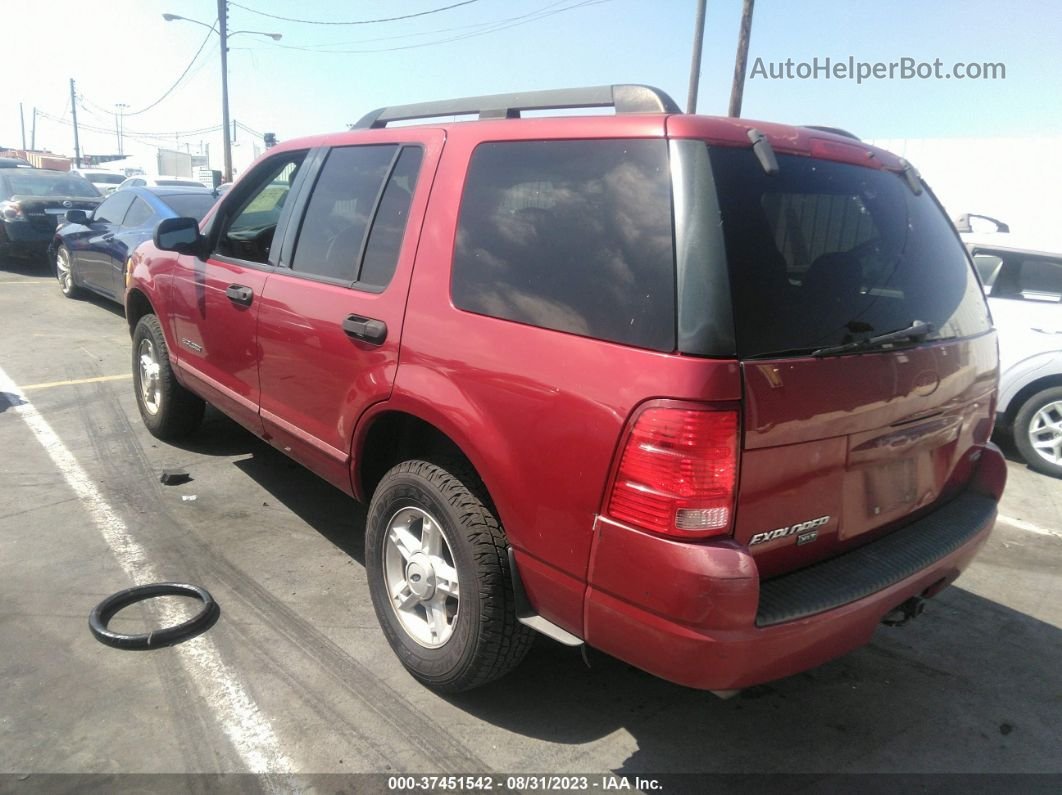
[{"x": 793, "y": 529}]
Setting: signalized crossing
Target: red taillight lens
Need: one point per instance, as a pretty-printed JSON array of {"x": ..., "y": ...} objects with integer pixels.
[{"x": 678, "y": 472}]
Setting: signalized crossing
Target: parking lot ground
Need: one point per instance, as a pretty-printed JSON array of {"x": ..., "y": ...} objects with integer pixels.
[{"x": 295, "y": 678}]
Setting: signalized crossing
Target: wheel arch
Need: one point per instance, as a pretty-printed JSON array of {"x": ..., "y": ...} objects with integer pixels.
[
  {"x": 137, "y": 304},
  {"x": 408, "y": 427},
  {"x": 1021, "y": 397}
]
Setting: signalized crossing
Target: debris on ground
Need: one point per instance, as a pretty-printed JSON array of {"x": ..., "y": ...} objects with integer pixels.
[{"x": 174, "y": 477}]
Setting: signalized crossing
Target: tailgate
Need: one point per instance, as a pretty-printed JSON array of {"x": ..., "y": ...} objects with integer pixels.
[{"x": 838, "y": 450}]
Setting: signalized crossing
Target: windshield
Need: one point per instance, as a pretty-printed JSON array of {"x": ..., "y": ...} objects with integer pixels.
[
  {"x": 190, "y": 205},
  {"x": 824, "y": 254},
  {"x": 27, "y": 183}
]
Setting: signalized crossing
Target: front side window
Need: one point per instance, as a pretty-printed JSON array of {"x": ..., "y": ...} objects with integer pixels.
[
  {"x": 574, "y": 236},
  {"x": 139, "y": 214},
  {"x": 825, "y": 253},
  {"x": 113, "y": 209},
  {"x": 250, "y": 222},
  {"x": 340, "y": 209}
]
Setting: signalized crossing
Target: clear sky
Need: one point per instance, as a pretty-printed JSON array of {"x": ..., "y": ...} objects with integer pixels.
[{"x": 122, "y": 51}]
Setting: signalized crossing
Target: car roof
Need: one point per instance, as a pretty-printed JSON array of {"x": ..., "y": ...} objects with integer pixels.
[
  {"x": 642, "y": 111},
  {"x": 174, "y": 190}
]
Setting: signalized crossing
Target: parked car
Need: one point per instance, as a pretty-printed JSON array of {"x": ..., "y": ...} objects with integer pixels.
[
  {"x": 106, "y": 182},
  {"x": 14, "y": 162},
  {"x": 710, "y": 395},
  {"x": 1023, "y": 283},
  {"x": 31, "y": 200},
  {"x": 91, "y": 249},
  {"x": 158, "y": 181}
]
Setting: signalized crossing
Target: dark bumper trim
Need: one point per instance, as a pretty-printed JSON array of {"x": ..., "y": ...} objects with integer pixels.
[{"x": 874, "y": 567}]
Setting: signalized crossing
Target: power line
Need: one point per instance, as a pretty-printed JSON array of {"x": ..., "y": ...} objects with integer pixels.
[
  {"x": 356, "y": 22},
  {"x": 179, "y": 79},
  {"x": 504, "y": 24},
  {"x": 133, "y": 133},
  {"x": 423, "y": 33}
]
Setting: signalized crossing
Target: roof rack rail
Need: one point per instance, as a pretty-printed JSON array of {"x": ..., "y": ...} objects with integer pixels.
[
  {"x": 834, "y": 130},
  {"x": 624, "y": 98}
]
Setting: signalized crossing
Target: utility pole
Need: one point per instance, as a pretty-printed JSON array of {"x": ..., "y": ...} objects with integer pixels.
[
  {"x": 223, "y": 31},
  {"x": 119, "y": 107},
  {"x": 695, "y": 63},
  {"x": 33, "y": 134},
  {"x": 741, "y": 61},
  {"x": 22, "y": 121},
  {"x": 73, "y": 110}
]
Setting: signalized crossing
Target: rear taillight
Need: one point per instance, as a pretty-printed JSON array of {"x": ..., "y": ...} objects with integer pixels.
[
  {"x": 11, "y": 211},
  {"x": 677, "y": 472}
]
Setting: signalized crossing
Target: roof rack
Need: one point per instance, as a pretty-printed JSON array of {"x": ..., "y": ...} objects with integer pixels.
[
  {"x": 624, "y": 98},
  {"x": 834, "y": 130}
]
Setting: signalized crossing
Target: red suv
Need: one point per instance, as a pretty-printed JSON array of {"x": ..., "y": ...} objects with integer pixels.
[{"x": 709, "y": 395}]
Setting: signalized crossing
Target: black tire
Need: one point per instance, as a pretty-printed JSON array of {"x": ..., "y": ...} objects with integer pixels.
[
  {"x": 68, "y": 286},
  {"x": 1024, "y": 424},
  {"x": 486, "y": 640},
  {"x": 172, "y": 411}
]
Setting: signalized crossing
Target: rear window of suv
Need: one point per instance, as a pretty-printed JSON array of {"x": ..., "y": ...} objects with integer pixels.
[
  {"x": 574, "y": 236},
  {"x": 825, "y": 253}
]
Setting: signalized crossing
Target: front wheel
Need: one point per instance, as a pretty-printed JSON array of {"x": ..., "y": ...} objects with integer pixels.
[
  {"x": 168, "y": 409},
  {"x": 438, "y": 570},
  {"x": 64, "y": 272},
  {"x": 1038, "y": 432}
]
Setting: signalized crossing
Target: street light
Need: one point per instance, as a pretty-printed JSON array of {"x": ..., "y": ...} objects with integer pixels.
[{"x": 224, "y": 33}]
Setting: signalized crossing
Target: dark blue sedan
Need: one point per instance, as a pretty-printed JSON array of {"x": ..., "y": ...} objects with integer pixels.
[{"x": 91, "y": 249}]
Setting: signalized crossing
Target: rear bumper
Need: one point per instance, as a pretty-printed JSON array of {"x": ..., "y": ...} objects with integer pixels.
[
  {"x": 25, "y": 236},
  {"x": 698, "y": 615}
]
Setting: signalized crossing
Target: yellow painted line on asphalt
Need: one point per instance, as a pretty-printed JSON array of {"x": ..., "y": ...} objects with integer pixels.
[{"x": 76, "y": 381}]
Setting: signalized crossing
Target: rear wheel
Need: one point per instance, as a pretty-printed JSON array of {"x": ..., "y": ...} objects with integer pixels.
[
  {"x": 1038, "y": 431},
  {"x": 438, "y": 570},
  {"x": 168, "y": 409},
  {"x": 64, "y": 272}
]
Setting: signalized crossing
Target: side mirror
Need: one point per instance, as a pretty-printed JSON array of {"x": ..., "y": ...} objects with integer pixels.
[
  {"x": 180, "y": 235},
  {"x": 77, "y": 217}
]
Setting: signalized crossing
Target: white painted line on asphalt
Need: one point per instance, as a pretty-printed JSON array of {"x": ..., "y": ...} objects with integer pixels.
[
  {"x": 75, "y": 381},
  {"x": 1021, "y": 524},
  {"x": 247, "y": 728}
]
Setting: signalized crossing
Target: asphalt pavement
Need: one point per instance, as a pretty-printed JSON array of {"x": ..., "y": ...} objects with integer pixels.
[{"x": 295, "y": 678}]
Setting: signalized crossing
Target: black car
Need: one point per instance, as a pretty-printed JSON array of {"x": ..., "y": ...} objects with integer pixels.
[
  {"x": 14, "y": 162},
  {"x": 90, "y": 250},
  {"x": 32, "y": 200}
]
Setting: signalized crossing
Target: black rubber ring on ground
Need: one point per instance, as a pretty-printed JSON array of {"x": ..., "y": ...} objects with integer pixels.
[{"x": 105, "y": 611}]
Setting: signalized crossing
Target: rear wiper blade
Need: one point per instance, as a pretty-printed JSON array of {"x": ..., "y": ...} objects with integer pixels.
[{"x": 916, "y": 332}]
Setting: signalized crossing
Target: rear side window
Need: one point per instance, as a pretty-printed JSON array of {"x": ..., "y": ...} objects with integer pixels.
[
  {"x": 340, "y": 209},
  {"x": 826, "y": 253},
  {"x": 987, "y": 267},
  {"x": 389, "y": 226},
  {"x": 574, "y": 236}
]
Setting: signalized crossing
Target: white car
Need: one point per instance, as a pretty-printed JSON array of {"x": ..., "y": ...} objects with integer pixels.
[
  {"x": 1024, "y": 288},
  {"x": 161, "y": 181},
  {"x": 106, "y": 182}
]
